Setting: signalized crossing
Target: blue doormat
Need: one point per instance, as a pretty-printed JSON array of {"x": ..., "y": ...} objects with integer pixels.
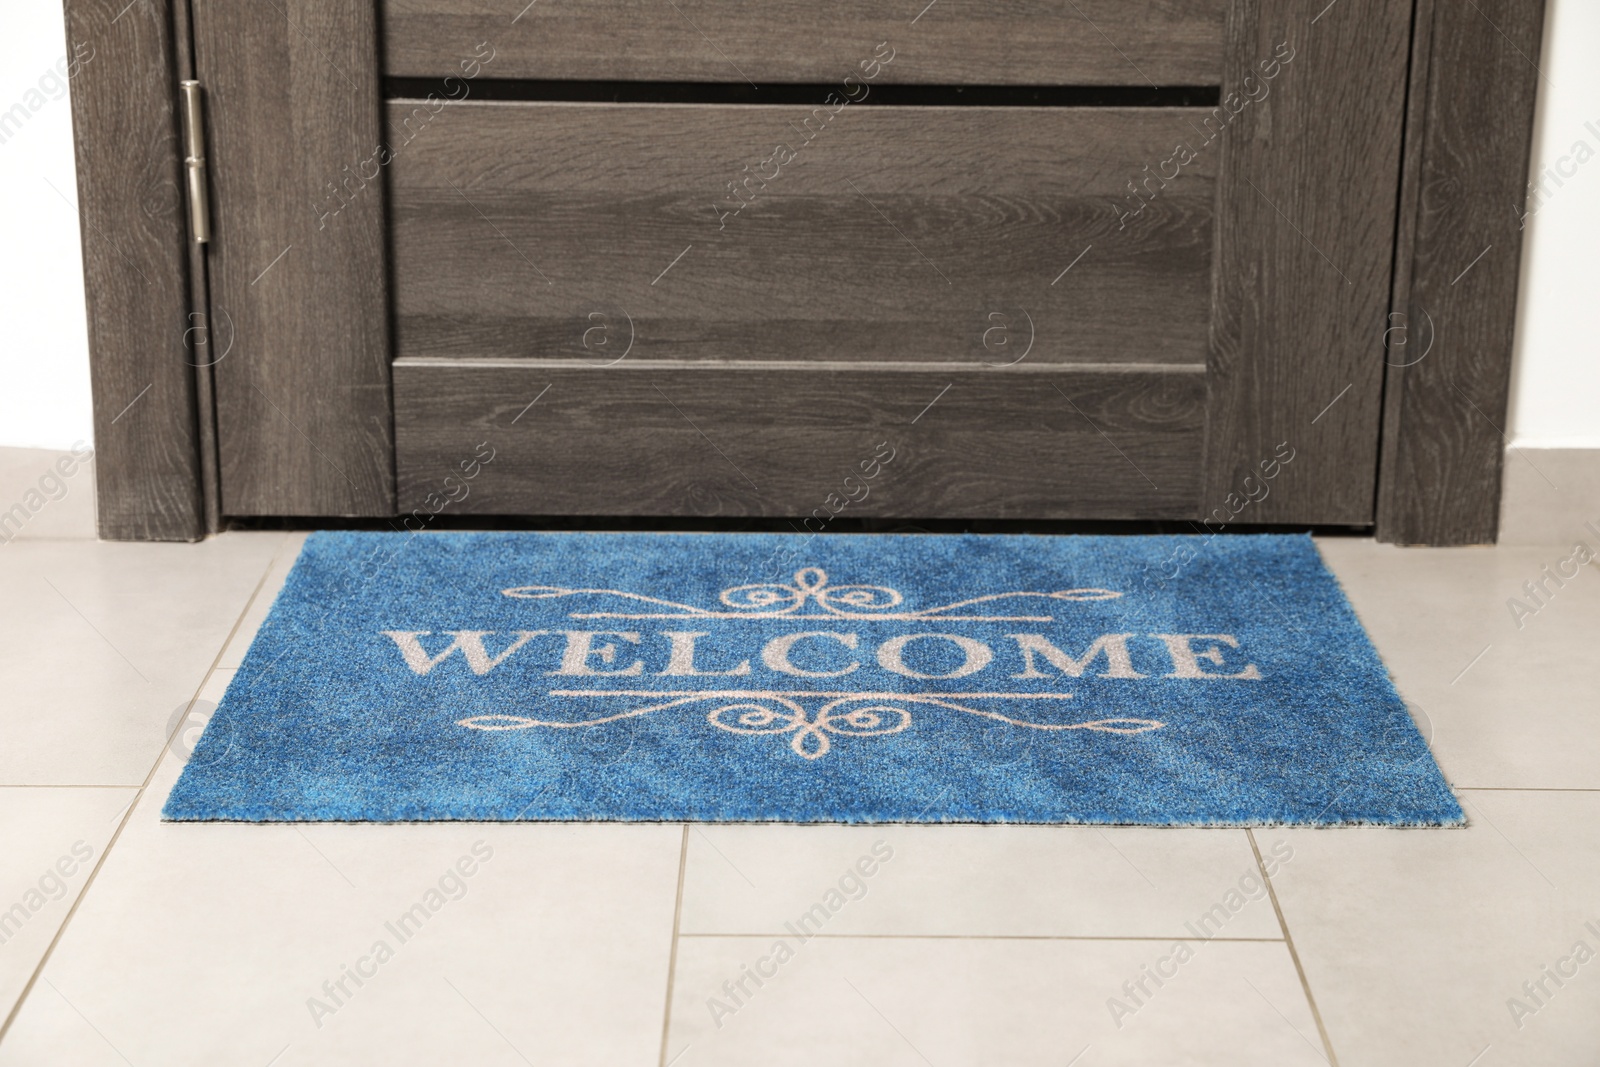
[{"x": 1170, "y": 681}]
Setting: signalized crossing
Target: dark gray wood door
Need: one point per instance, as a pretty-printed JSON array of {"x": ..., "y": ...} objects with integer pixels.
[{"x": 1093, "y": 260}]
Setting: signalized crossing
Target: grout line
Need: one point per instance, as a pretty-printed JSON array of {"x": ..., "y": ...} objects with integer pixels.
[
  {"x": 1003, "y": 937},
  {"x": 672, "y": 958},
  {"x": 56, "y": 785},
  {"x": 1525, "y": 788},
  {"x": 56, "y": 539},
  {"x": 116, "y": 835},
  {"x": 1283, "y": 924}
]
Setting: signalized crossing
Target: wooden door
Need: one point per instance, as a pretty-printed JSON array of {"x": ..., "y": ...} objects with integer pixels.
[{"x": 1108, "y": 259}]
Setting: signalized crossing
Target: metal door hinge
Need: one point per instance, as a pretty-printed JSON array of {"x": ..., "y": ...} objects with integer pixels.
[{"x": 194, "y": 160}]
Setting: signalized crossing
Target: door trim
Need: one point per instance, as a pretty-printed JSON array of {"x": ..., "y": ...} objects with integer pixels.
[
  {"x": 1442, "y": 441},
  {"x": 1458, "y": 258},
  {"x": 136, "y": 270}
]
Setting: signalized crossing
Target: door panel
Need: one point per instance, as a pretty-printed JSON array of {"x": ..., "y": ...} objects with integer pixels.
[
  {"x": 974, "y": 42},
  {"x": 299, "y": 290},
  {"x": 1115, "y": 312},
  {"x": 767, "y": 438},
  {"x": 892, "y": 234},
  {"x": 1305, "y": 236}
]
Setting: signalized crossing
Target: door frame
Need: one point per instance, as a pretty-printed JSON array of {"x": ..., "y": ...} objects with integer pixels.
[{"x": 1448, "y": 343}]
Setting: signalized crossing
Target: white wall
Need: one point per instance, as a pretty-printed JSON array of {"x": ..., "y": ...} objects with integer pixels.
[
  {"x": 44, "y": 347},
  {"x": 1555, "y": 400},
  {"x": 44, "y": 372}
]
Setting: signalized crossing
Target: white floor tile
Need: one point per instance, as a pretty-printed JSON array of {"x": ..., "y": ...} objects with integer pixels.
[
  {"x": 966, "y": 1003},
  {"x": 261, "y": 606},
  {"x": 52, "y": 840},
  {"x": 206, "y": 943},
  {"x": 1415, "y": 942},
  {"x": 105, "y": 645},
  {"x": 977, "y": 880},
  {"x": 1505, "y": 705}
]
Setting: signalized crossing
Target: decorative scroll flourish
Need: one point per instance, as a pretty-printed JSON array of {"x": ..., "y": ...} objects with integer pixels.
[
  {"x": 771, "y": 712},
  {"x": 810, "y": 589}
]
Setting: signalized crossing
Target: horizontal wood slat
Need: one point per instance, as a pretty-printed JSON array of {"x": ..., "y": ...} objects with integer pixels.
[
  {"x": 577, "y": 230},
  {"x": 661, "y": 438},
  {"x": 1028, "y": 42}
]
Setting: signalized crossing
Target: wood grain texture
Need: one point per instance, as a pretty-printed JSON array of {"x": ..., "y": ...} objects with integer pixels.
[
  {"x": 1026, "y": 42},
  {"x": 298, "y": 279},
  {"x": 1306, "y": 212},
  {"x": 1445, "y": 409},
  {"x": 694, "y": 438},
  {"x": 894, "y": 233},
  {"x": 198, "y": 336},
  {"x": 130, "y": 204}
]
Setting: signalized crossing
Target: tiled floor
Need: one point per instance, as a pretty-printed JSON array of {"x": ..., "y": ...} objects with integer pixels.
[{"x": 145, "y": 943}]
